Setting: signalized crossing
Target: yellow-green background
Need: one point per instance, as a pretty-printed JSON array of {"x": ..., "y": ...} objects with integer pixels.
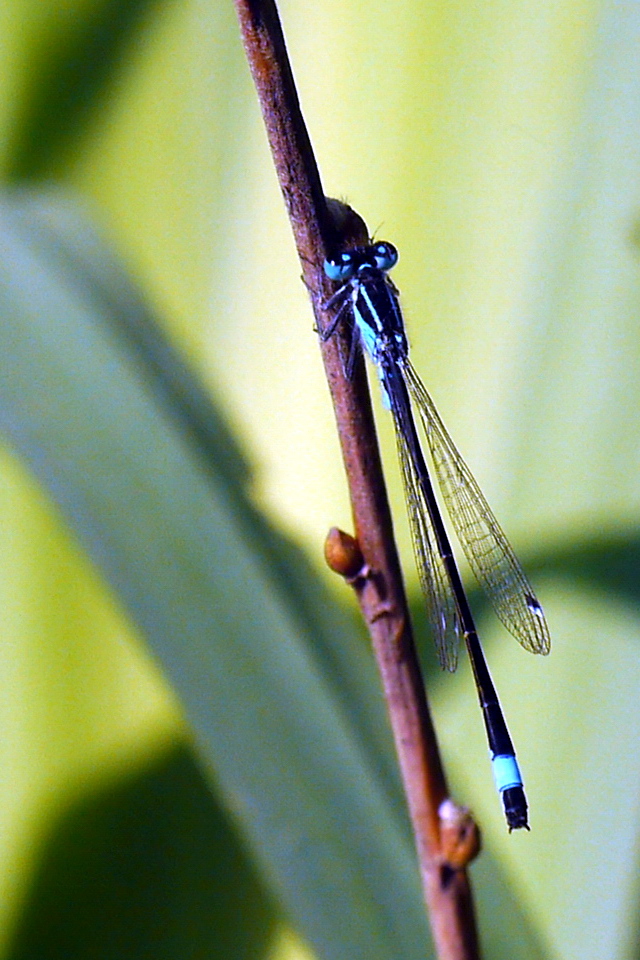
[{"x": 496, "y": 144}]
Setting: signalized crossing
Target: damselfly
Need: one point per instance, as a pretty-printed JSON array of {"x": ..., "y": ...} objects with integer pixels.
[{"x": 368, "y": 299}]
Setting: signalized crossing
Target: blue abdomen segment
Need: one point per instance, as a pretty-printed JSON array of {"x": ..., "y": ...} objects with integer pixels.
[{"x": 506, "y": 772}]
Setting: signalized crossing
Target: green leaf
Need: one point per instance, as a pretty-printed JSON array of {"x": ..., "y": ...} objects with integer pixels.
[
  {"x": 149, "y": 860},
  {"x": 281, "y": 696},
  {"x": 69, "y": 82}
]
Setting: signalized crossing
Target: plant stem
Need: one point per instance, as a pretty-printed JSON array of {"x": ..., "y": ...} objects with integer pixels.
[{"x": 445, "y": 836}]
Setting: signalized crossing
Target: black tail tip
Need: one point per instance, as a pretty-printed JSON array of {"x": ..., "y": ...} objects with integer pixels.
[{"x": 515, "y": 808}]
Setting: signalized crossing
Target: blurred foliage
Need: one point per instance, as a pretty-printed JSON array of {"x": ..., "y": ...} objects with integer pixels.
[
  {"x": 72, "y": 76},
  {"x": 150, "y": 864},
  {"x": 498, "y": 144}
]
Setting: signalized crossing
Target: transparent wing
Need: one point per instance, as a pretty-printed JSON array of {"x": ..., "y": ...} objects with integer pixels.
[
  {"x": 439, "y": 598},
  {"x": 487, "y": 549}
]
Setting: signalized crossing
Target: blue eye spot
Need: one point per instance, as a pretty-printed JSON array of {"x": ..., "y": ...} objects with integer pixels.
[
  {"x": 340, "y": 267},
  {"x": 385, "y": 256}
]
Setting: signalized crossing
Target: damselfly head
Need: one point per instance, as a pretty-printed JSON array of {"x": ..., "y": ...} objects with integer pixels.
[
  {"x": 385, "y": 255},
  {"x": 342, "y": 267},
  {"x": 351, "y": 263}
]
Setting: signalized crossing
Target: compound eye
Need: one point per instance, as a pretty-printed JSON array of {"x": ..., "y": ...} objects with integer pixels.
[
  {"x": 385, "y": 255},
  {"x": 341, "y": 267}
]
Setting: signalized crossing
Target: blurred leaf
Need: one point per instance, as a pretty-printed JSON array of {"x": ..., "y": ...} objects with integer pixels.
[
  {"x": 149, "y": 861},
  {"x": 270, "y": 690},
  {"x": 69, "y": 83},
  {"x": 608, "y": 564},
  {"x": 55, "y": 224}
]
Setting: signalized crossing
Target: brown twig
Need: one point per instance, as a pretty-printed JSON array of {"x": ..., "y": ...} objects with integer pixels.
[{"x": 446, "y": 838}]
